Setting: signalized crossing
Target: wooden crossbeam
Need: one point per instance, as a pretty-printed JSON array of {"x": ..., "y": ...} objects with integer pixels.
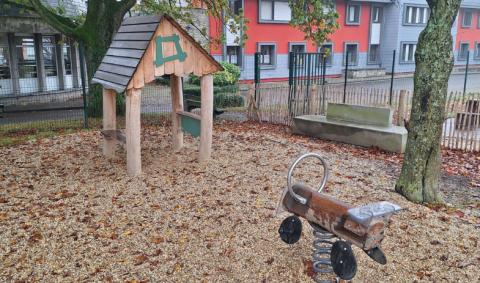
[{"x": 116, "y": 135}]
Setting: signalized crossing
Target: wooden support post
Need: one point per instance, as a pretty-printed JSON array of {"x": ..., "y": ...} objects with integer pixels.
[
  {"x": 177, "y": 105},
  {"x": 134, "y": 156},
  {"x": 109, "y": 121},
  {"x": 401, "y": 108},
  {"x": 313, "y": 102},
  {"x": 206, "y": 124}
]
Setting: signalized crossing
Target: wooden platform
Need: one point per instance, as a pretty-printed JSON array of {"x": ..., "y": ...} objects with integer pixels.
[{"x": 116, "y": 135}]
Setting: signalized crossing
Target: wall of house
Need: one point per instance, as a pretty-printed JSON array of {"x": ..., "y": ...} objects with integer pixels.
[
  {"x": 467, "y": 34},
  {"x": 394, "y": 33}
]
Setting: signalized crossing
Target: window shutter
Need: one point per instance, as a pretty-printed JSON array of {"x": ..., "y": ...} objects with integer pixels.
[
  {"x": 375, "y": 35},
  {"x": 351, "y": 14},
  {"x": 281, "y": 11},
  {"x": 266, "y": 10},
  {"x": 230, "y": 37}
]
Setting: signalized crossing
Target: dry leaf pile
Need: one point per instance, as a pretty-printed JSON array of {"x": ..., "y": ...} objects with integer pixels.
[{"x": 68, "y": 214}]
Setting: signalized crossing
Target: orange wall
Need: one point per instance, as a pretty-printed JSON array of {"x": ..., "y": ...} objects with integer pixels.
[
  {"x": 282, "y": 34},
  {"x": 471, "y": 35}
]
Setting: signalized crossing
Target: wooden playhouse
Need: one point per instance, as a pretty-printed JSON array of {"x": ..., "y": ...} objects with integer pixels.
[{"x": 144, "y": 48}]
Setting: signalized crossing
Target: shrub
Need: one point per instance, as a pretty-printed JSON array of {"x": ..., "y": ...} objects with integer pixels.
[
  {"x": 232, "y": 69},
  {"x": 165, "y": 80},
  {"x": 226, "y": 100},
  {"x": 229, "y": 76},
  {"x": 190, "y": 89}
]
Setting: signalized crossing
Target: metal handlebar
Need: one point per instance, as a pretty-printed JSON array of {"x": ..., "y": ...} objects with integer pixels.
[{"x": 298, "y": 198}]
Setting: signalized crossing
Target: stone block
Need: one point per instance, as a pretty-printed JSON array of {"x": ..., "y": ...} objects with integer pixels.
[
  {"x": 360, "y": 114},
  {"x": 391, "y": 138}
]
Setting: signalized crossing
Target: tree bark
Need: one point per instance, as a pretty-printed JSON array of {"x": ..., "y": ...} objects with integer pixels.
[{"x": 434, "y": 60}]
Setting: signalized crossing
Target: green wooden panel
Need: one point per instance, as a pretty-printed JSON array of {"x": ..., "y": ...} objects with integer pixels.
[{"x": 191, "y": 126}]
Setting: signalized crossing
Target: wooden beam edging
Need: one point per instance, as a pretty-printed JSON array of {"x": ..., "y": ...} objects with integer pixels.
[{"x": 189, "y": 114}]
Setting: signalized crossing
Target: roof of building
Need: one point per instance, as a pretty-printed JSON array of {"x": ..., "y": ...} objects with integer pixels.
[{"x": 128, "y": 48}]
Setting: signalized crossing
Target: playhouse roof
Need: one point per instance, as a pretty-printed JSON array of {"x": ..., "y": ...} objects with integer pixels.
[{"x": 129, "y": 62}]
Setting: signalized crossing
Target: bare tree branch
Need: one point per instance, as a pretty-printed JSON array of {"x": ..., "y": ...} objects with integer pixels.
[{"x": 62, "y": 24}]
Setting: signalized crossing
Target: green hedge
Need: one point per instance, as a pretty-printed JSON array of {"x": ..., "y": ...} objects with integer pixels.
[
  {"x": 190, "y": 89},
  {"x": 162, "y": 80},
  {"x": 229, "y": 76},
  {"x": 227, "y": 100}
]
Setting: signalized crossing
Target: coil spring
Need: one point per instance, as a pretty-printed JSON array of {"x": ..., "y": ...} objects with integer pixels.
[{"x": 322, "y": 246}]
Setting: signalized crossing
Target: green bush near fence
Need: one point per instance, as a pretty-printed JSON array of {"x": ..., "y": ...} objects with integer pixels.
[
  {"x": 190, "y": 89},
  {"x": 228, "y": 100},
  {"x": 229, "y": 76},
  {"x": 162, "y": 80}
]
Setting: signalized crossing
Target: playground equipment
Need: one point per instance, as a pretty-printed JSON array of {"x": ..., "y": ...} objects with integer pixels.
[
  {"x": 330, "y": 218},
  {"x": 144, "y": 48}
]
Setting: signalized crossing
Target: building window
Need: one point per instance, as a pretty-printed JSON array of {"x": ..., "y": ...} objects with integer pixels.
[
  {"x": 463, "y": 51},
  {"x": 27, "y": 65},
  {"x": 234, "y": 55},
  {"x": 49, "y": 56},
  {"x": 235, "y": 6},
  {"x": 377, "y": 14},
  {"x": 329, "y": 58},
  {"x": 478, "y": 22},
  {"x": 274, "y": 11},
  {"x": 4, "y": 58},
  {"x": 408, "y": 52},
  {"x": 373, "y": 56},
  {"x": 416, "y": 15},
  {"x": 352, "y": 50},
  {"x": 67, "y": 57},
  {"x": 268, "y": 55},
  {"x": 353, "y": 14},
  {"x": 300, "y": 47},
  {"x": 477, "y": 50},
  {"x": 467, "y": 17}
]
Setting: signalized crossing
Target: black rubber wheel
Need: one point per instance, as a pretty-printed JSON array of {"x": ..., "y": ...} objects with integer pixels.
[
  {"x": 291, "y": 229},
  {"x": 343, "y": 260}
]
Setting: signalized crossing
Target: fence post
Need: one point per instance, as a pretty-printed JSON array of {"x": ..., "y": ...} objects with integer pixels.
[
  {"x": 466, "y": 74},
  {"x": 257, "y": 78},
  {"x": 82, "y": 70},
  {"x": 401, "y": 108},
  {"x": 346, "y": 75},
  {"x": 323, "y": 83},
  {"x": 313, "y": 98},
  {"x": 393, "y": 74}
]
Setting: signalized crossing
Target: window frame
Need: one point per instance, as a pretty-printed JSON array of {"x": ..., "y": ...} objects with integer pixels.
[
  {"x": 331, "y": 52},
  {"x": 413, "y": 5},
  {"x": 239, "y": 56},
  {"x": 272, "y": 65},
  {"x": 347, "y": 14},
  {"x": 377, "y": 56},
  {"x": 263, "y": 21},
  {"x": 345, "y": 53},
  {"x": 380, "y": 9},
  {"x": 477, "y": 50},
  {"x": 459, "y": 58},
  {"x": 5, "y": 45},
  {"x": 402, "y": 43},
  {"x": 463, "y": 17},
  {"x": 290, "y": 47},
  {"x": 478, "y": 19}
]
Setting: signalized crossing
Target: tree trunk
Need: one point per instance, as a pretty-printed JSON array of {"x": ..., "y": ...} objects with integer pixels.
[
  {"x": 100, "y": 27},
  {"x": 433, "y": 64}
]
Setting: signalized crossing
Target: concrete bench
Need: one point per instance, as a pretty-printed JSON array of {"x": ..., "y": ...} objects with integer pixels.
[{"x": 360, "y": 125}]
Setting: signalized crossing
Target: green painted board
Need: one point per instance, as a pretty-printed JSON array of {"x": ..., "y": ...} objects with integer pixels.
[{"x": 191, "y": 126}]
